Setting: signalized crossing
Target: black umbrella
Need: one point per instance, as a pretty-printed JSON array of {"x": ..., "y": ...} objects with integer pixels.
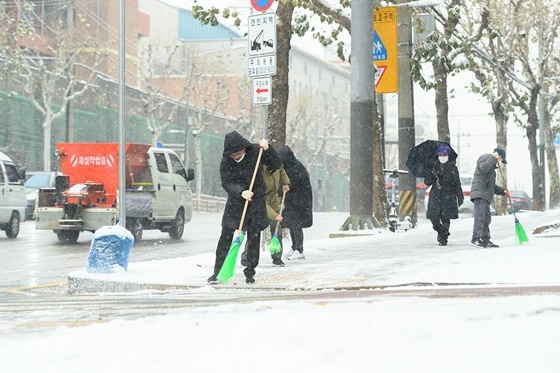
[{"x": 421, "y": 157}]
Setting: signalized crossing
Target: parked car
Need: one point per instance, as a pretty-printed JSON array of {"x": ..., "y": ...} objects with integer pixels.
[
  {"x": 35, "y": 181},
  {"x": 12, "y": 196},
  {"x": 520, "y": 200},
  {"x": 467, "y": 206}
]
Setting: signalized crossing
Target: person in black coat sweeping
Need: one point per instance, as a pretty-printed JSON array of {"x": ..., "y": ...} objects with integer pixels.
[
  {"x": 298, "y": 206},
  {"x": 446, "y": 194},
  {"x": 236, "y": 171}
]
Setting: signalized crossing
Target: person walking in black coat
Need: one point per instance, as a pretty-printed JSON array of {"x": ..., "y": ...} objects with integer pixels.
[
  {"x": 446, "y": 195},
  {"x": 298, "y": 206},
  {"x": 236, "y": 171}
]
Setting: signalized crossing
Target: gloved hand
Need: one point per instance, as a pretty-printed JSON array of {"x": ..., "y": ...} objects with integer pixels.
[
  {"x": 247, "y": 194},
  {"x": 264, "y": 144},
  {"x": 506, "y": 193},
  {"x": 460, "y": 201}
]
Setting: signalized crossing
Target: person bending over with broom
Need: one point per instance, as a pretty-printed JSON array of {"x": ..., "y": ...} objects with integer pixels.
[
  {"x": 242, "y": 178},
  {"x": 272, "y": 181},
  {"x": 483, "y": 190}
]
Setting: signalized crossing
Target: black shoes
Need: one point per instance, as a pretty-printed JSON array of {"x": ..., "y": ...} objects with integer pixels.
[
  {"x": 213, "y": 278},
  {"x": 477, "y": 242},
  {"x": 250, "y": 279},
  {"x": 278, "y": 262},
  {"x": 244, "y": 262},
  {"x": 443, "y": 243}
]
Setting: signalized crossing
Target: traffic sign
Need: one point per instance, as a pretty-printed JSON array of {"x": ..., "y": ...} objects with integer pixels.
[
  {"x": 262, "y": 91},
  {"x": 262, "y": 34},
  {"x": 262, "y": 5},
  {"x": 385, "y": 52},
  {"x": 379, "y": 72},
  {"x": 261, "y": 66}
]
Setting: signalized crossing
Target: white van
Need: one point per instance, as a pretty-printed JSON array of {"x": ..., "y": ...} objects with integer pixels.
[{"x": 13, "y": 197}]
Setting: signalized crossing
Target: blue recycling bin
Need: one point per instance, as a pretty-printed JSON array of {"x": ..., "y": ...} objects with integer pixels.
[{"x": 110, "y": 248}]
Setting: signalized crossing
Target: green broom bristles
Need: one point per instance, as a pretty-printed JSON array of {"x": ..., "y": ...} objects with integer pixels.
[
  {"x": 226, "y": 272},
  {"x": 520, "y": 232},
  {"x": 274, "y": 245}
]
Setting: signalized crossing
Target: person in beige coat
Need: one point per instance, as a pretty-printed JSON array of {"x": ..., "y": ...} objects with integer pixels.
[{"x": 272, "y": 182}]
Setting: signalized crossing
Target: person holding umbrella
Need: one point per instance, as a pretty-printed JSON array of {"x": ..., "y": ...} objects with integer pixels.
[
  {"x": 241, "y": 159},
  {"x": 446, "y": 195},
  {"x": 483, "y": 190}
]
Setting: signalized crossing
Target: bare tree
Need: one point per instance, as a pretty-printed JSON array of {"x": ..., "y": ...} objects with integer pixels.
[
  {"x": 156, "y": 104},
  {"x": 53, "y": 76}
]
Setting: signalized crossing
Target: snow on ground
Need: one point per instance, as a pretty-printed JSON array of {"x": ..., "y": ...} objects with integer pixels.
[{"x": 387, "y": 333}]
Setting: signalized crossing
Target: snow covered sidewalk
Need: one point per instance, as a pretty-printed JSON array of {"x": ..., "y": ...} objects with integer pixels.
[{"x": 382, "y": 259}]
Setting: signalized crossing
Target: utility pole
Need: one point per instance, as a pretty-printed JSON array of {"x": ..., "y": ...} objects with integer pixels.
[
  {"x": 406, "y": 133},
  {"x": 361, "y": 119}
]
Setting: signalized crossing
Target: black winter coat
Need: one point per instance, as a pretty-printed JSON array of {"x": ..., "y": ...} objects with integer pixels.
[
  {"x": 236, "y": 177},
  {"x": 298, "y": 206},
  {"x": 446, "y": 193}
]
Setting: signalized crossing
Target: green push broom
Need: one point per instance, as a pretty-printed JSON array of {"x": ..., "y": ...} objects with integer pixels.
[
  {"x": 274, "y": 245},
  {"x": 519, "y": 231},
  {"x": 226, "y": 272}
]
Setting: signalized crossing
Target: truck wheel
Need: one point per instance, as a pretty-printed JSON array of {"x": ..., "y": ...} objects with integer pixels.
[
  {"x": 177, "y": 226},
  {"x": 134, "y": 226},
  {"x": 12, "y": 228},
  {"x": 68, "y": 236}
]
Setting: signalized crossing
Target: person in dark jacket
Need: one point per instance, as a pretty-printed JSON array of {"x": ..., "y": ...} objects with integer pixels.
[
  {"x": 483, "y": 190},
  {"x": 446, "y": 194},
  {"x": 236, "y": 171},
  {"x": 298, "y": 206}
]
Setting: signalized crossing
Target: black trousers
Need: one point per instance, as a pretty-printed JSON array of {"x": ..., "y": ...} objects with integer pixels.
[
  {"x": 252, "y": 238},
  {"x": 296, "y": 234},
  {"x": 441, "y": 225}
]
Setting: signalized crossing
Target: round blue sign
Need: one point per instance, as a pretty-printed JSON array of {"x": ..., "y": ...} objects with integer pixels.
[{"x": 261, "y": 5}]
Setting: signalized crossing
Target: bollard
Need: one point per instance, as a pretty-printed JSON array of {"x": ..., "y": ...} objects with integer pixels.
[{"x": 110, "y": 248}]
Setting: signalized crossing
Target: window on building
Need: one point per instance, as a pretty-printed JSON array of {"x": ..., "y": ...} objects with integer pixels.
[
  {"x": 305, "y": 67},
  {"x": 320, "y": 74},
  {"x": 333, "y": 81}
]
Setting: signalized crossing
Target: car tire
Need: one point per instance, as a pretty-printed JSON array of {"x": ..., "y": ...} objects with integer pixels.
[
  {"x": 12, "y": 228},
  {"x": 177, "y": 226}
]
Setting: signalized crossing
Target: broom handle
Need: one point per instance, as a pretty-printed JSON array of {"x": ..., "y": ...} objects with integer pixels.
[
  {"x": 505, "y": 186},
  {"x": 250, "y": 188},
  {"x": 280, "y": 213}
]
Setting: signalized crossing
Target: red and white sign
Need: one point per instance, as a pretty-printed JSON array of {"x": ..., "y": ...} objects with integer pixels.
[
  {"x": 261, "y": 5},
  {"x": 262, "y": 91},
  {"x": 379, "y": 74}
]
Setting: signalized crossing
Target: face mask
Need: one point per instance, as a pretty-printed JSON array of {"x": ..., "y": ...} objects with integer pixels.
[
  {"x": 443, "y": 158},
  {"x": 240, "y": 159}
]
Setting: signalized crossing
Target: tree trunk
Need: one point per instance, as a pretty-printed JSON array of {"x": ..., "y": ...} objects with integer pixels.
[
  {"x": 538, "y": 191},
  {"x": 47, "y": 126},
  {"x": 501, "y": 141},
  {"x": 276, "y": 116},
  {"x": 441, "y": 102},
  {"x": 554, "y": 177},
  {"x": 198, "y": 166},
  {"x": 380, "y": 204}
]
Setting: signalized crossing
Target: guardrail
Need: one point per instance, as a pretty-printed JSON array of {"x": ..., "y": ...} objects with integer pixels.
[{"x": 208, "y": 203}]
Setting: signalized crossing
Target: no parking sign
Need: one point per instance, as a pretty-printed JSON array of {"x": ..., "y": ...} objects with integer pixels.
[{"x": 261, "y": 5}]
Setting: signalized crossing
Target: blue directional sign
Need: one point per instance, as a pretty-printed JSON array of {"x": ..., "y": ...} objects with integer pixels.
[
  {"x": 556, "y": 140},
  {"x": 379, "y": 50}
]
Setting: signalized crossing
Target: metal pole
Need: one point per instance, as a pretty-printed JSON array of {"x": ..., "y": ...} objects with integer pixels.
[
  {"x": 122, "y": 150},
  {"x": 361, "y": 118},
  {"x": 542, "y": 144}
]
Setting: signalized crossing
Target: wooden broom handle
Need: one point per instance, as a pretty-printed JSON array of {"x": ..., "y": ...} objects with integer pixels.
[
  {"x": 280, "y": 213},
  {"x": 250, "y": 189},
  {"x": 506, "y": 188}
]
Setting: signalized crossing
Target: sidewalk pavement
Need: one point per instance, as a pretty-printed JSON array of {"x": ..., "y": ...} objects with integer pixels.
[{"x": 378, "y": 259}]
